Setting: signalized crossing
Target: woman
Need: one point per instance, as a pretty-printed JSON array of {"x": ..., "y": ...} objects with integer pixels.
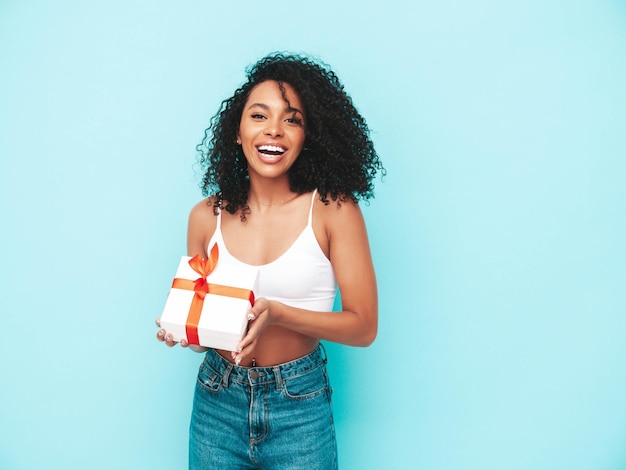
[{"x": 286, "y": 159}]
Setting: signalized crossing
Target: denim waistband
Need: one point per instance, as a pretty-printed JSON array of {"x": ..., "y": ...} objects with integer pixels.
[{"x": 231, "y": 373}]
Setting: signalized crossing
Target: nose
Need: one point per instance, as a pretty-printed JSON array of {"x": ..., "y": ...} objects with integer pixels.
[{"x": 274, "y": 128}]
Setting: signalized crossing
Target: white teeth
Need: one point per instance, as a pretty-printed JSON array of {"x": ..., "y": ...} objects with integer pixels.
[{"x": 271, "y": 148}]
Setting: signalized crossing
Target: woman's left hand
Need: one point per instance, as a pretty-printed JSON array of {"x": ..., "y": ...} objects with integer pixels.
[{"x": 259, "y": 317}]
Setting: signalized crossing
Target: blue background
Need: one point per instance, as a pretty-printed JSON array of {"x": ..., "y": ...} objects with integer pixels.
[{"x": 498, "y": 234}]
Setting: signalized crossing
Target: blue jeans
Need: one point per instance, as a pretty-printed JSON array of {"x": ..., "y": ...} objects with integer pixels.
[{"x": 277, "y": 417}]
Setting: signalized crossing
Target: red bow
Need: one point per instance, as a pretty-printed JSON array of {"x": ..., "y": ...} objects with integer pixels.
[{"x": 204, "y": 267}]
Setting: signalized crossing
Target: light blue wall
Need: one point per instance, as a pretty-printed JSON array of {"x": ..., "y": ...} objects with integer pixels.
[{"x": 499, "y": 233}]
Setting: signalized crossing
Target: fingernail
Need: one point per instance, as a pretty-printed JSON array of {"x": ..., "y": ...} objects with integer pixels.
[
  {"x": 239, "y": 350},
  {"x": 238, "y": 361},
  {"x": 250, "y": 316},
  {"x": 161, "y": 333}
]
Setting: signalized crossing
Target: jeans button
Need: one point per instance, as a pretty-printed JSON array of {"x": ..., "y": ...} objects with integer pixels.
[{"x": 254, "y": 374}]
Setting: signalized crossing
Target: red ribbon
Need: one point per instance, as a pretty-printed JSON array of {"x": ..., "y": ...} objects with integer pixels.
[{"x": 201, "y": 288}]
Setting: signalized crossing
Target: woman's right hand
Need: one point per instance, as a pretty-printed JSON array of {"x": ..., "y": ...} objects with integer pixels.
[{"x": 168, "y": 339}]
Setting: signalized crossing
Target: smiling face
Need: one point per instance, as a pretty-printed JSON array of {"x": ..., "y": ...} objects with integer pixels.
[{"x": 272, "y": 129}]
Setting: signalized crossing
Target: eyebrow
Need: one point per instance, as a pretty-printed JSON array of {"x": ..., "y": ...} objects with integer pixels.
[{"x": 290, "y": 109}]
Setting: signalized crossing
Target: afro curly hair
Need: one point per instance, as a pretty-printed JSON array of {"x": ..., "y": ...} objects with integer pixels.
[{"x": 338, "y": 158}]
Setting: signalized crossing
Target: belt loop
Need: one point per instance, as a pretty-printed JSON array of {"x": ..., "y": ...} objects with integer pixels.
[
  {"x": 278, "y": 378},
  {"x": 226, "y": 375},
  {"x": 323, "y": 353}
]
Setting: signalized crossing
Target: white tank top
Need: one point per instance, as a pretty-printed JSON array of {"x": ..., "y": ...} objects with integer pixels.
[{"x": 301, "y": 277}]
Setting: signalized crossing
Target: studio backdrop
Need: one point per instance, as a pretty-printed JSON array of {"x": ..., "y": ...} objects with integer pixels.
[{"x": 498, "y": 234}]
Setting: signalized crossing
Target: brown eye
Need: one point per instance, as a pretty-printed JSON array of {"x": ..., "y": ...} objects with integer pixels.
[{"x": 295, "y": 120}]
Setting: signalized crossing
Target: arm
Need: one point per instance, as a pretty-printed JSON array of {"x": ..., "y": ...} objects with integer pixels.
[
  {"x": 200, "y": 228},
  {"x": 349, "y": 253}
]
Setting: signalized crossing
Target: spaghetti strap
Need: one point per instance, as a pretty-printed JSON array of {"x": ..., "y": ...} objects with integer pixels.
[
  {"x": 311, "y": 209},
  {"x": 218, "y": 227}
]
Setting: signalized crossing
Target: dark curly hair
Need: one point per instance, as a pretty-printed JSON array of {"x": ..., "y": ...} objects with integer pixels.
[{"x": 338, "y": 158}]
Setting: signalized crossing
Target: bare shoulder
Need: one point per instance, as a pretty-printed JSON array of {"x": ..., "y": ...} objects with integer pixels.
[
  {"x": 203, "y": 209},
  {"x": 202, "y": 224},
  {"x": 339, "y": 214}
]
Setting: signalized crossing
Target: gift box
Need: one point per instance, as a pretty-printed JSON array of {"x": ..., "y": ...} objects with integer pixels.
[{"x": 208, "y": 303}]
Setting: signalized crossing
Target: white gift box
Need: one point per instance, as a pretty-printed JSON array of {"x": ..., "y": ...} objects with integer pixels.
[{"x": 223, "y": 319}]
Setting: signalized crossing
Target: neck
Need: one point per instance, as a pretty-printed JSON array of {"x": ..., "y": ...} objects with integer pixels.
[
  {"x": 269, "y": 201},
  {"x": 271, "y": 193}
]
